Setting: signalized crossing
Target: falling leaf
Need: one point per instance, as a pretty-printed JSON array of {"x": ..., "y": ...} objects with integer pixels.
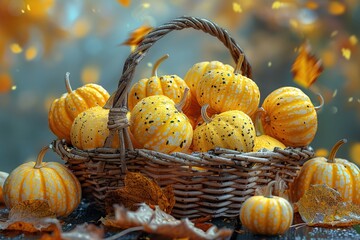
[
  {"x": 15, "y": 48},
  {"x": 353, "y": 40},
  {"x": 334, "y": 33},
  {"x": 306, "y": 67},
  {"x": 346, "y": 52},
  {"x": 90, "y": 74},
  {"x": 31, "y": 53},
  {"x": 355, "y": 153},
  {"x": 137, "y": 36},
  {"x": 237, "y": 7},
  {"x": 125, "y": 3},
  {"x": 336, "y": 8},
  {"x": 324, "y": 207},
  {"x": 5, "y": 83},
  {"x": 29, "y": 216},
  {"x": 139, "y": 189},
  {"x": 159, "y": 222},
  {"x": 335, "y": 93}
]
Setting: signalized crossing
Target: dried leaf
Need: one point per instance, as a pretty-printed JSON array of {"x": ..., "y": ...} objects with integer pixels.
[
  {"x": 323, "y": 206},
  {"x": 306, "y": 67},
  {"x": 159, "y": 222},
  {"x": 137, "y": 36},
  {"x": 29, "y": 216},
  {"x": 139, "y": 189},
  {"x": 5, "y": 82},
  {"x": 83, "y": 231}
]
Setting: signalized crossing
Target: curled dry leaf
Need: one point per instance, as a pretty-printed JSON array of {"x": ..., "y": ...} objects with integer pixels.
[
  {"x": 83, "y": 231},
  {"x": 139, "y": 189},
  {"x": 306, "y": 67},
  {"x": 323, "y": 206},
  {"x": 29, "y": 216},
  {"x": 159, "y": 222}
]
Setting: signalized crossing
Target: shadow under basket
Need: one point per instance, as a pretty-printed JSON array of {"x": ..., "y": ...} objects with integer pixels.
[{"x": 213, "y": 183}]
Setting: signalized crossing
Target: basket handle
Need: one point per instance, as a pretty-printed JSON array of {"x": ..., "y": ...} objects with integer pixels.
[{"x": 177, "y": 24}]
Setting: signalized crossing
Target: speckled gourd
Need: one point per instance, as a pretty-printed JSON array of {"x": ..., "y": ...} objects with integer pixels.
[
  {"x": 157, "y": 123},
  {"x": 171, "y": 86},
  {"x": 226, "y": 90},
  {"x": 262, "y": 140},
  {"x": 231, "y": 129},
  {"x": 290, "y": 116},
  {"x": 193, "y": 77},
  {"x": 337, "y": 173},
  {"x": 267, "y": 215},
  {"x": 65, "y": 109},
  {"x": 50, "y": 181}
]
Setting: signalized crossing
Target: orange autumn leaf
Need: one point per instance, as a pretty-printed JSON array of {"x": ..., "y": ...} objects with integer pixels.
[
  {"x": 6, "y": 83},
  {"x": 306, "y": 67},
  {"x": 125, "y": 3},
  {"x": 29, "y": 216},
  {"x": 323, "y": 206},
  {"x": 140, "y": 189},
  {"x": 137, "y": 36},
  {"x": 83, "y": 231}
]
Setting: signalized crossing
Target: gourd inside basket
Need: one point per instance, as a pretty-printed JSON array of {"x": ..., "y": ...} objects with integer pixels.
[{"x": 212, "y": 183}]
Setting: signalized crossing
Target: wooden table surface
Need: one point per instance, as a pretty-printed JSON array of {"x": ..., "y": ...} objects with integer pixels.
[{"x": 87, "y": 212}]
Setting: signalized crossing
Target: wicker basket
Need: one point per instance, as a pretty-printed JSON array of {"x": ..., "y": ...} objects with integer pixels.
[{"x": 226, "y": 177}]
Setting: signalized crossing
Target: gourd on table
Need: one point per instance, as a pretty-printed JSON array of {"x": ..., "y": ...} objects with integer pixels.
[
  {"x": 339, "y": 174},
  {"x": 65, "y": 109},
  {"x": 50, "y": 181},
  {"x": 268, "y": 214}
]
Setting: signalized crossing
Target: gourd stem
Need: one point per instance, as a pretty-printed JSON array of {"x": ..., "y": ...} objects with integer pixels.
[
  {"x": 269, "y": 188},
  {"x": 157, "y": 64},
  {"x": 67, "y": 82},
  {"x": 179, "y": 106},
  {"x": 40, "y": 157},
  {"x": 335, "y": 149},
  {"x": 321, "y": 100},
  {"x": 239, "y": 63},
  {"x": 204, "y": 114},
  {"x": 258, "y": 125}
]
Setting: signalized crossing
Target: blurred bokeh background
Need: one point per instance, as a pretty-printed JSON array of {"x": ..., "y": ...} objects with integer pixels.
[{"x": 40, "y": 40}]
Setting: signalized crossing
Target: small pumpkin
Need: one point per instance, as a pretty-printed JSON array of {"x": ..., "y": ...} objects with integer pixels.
[
  {"x": 193, "y": 77},
  {"x": 262, "y": 140},
  {"x": 49, "y": 181},
  {"x": 337, "y": 173},
  {"x": 231, "y": 129},
  {"x": 268, "y": 214},
  {"x": 65, "y": 109},
  {"x": 171, "y": 86},
  {"x": 157, "y": 123},
  {"x": 3, "y": 176},
  {"x": 290, "y": 116},
  {"x": 225, "y": 90}
]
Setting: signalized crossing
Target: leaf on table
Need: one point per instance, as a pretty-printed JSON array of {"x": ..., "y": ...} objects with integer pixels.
[
  {"x": 29, "y": 216},
  {"x": 306, "y": 67},
  {"x": 83, "y": 231},
  {"x": 159, "y": 222},
  {"x": 137, "y": 36},
  {"x": 323, "y": 206},
  {"x": 139, "y": 189}
]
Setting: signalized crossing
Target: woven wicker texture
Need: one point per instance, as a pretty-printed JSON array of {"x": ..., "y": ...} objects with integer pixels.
[{"x": 213, "y": 183}]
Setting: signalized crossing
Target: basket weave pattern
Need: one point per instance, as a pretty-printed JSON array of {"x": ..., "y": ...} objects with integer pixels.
[{"x": 214, "y": 183}]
